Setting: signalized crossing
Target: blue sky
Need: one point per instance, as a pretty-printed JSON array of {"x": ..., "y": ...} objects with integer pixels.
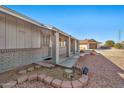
[{"x": 98, "y": 22}]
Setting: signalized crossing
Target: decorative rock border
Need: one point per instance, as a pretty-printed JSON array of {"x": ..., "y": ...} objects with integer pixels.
[
  {"x": 57, "y": 83},
  {"x": 37, "y": 66},
  {"x": 9, "y": 84},
  {"x": 30, "y": 69},
  {"x": 48, "y": 80},
  {"x": 22, "y": 79},
  {"x": 33, "y": 77},
  {"x": 84, "y": 80},
  {"x": 66, "y": 84},
  {"x": 77, "y": 84},
  {"x": 41, "y": 77},
  {"x": 22, "y": 72}
]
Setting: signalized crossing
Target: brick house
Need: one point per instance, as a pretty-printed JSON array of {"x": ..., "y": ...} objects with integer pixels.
[
  {"x": 89, "y": 44},
  {"x": 24, "y": 41}
]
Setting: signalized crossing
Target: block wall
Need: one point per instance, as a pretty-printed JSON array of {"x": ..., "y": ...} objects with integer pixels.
[{"x": 12, "y": 58}]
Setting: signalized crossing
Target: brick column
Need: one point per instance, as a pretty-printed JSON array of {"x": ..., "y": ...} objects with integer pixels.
[
  {"x": 55, "y": 48},
  {"x": 68, "y": 50}
]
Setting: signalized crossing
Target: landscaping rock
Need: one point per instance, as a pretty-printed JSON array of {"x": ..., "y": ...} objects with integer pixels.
[
  {"x": 22, "y": 79},
  {"x": 76, "y": 84},
  {"x": 48, "y": 80},
  {"x": 66, "y": 84},
  {"x": 9, "y": 84},
  {"x": 33, "y": 84},
  {"x": 41, "y": 77},
  {"x": 83, "y": 54},
  {"x": 33, "y": 77},
  {"x": 37, "y": 66},
  {"x": 30, "y": 69},
  {"x": 45, "y": 64},
  {"x": 78, "y": 67},
  {"x": 22, "y": 72},
  {"x": 1, "y": 84},
  {"x": 84, "y": 80},
  {"x": 56, "y": 83}
]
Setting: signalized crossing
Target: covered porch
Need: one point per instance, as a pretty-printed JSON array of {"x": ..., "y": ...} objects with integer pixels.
[{"x": 64, "y": 49}]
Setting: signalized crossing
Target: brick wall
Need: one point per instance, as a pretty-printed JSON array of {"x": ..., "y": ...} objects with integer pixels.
[{"x": 12, "y": 58}]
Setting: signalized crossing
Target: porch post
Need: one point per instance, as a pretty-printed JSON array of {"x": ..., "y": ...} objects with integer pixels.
[
  {"x": 50, "y": 45},
  {"x": 75, "y": 46},
  {"x": 55, "y": 48},
  {"x": 78, "y": 44},
  {"x": 68, "y": 47}
]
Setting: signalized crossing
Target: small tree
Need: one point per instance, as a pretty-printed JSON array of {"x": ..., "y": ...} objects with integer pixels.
[
  {"x": 118, "y": 46},
  {"x": 109, "y": 43}
]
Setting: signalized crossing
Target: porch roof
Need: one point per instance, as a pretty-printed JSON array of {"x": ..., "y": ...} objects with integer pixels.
[{"x": 30, "y": 20}]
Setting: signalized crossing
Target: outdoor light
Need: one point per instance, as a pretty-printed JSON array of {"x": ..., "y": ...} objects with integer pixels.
[{"x": 84, "y": 70}]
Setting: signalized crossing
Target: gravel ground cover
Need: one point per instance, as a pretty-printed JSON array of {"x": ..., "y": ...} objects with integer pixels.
[{"x": 102, "y": 72}]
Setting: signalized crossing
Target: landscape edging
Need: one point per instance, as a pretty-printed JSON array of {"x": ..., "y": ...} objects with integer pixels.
[{"x": 35, "y": 76}]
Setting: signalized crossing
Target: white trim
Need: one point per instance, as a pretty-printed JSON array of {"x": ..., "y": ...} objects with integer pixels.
[{"x": 25, "y": 18}]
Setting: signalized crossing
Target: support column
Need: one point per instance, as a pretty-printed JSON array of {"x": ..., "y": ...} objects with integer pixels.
[
  {"x": 50, "y": 46},
  {"x": 88, "y": 46},
  {"x": 55, "y": 48},
  {"x": 78, "y": 44},
  {"x": 75, "y": 46},
  {"x": 68, "y": 50}
]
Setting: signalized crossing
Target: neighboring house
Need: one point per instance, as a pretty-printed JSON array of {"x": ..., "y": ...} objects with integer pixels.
[
  {"x": 24, "y": 41},
  {"x": 89, "y": 44}
]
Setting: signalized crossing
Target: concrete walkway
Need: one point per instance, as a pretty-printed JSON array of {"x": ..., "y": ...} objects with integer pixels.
[{"x": 69, "y": 62}]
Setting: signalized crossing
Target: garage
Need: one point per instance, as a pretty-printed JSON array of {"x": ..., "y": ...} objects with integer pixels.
[{"x": 93, "y": 46}]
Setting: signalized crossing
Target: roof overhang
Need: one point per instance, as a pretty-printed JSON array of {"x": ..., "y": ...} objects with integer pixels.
[{"x": 28, "y": 19}]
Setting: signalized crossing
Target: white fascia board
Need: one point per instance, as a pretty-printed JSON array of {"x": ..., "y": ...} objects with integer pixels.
[
  {"x": 20, "y": 16},
  {"x": 62, "y": 32},
  {"x": 25, "y": 18}
]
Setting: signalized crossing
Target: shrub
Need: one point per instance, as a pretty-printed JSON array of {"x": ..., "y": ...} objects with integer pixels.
[
  {"x": 109, "y": 43},
  {"x": 118, "y": 46}
]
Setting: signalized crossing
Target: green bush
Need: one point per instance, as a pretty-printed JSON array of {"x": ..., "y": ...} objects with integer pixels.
[
  {"x": 109, "y": 43},
  {"x": 118, "y": 46}
]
